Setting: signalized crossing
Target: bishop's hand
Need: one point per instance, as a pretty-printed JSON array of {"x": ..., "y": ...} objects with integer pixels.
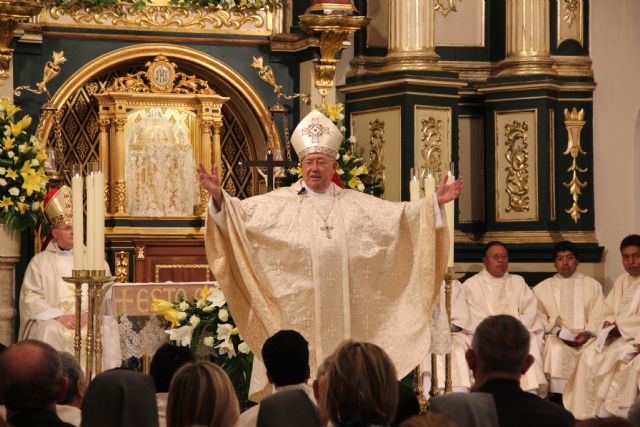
[
  {"x": 211, "y": 183},
  {"x": 448, "y": 192}
]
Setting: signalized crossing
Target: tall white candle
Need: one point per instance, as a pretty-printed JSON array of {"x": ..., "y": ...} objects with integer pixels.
[
  {"x": 449, "y": 212},
  {"x": 429, "y": 184},
  {"x": 91, "y": 222},
  {"x": 414, "y": 189},
  {"x": 78, "y": 221},
  {"x": 98, "y": 186}
]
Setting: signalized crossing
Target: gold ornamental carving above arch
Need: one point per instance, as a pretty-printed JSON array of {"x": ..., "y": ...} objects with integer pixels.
[{"x": 226, "y": 75}]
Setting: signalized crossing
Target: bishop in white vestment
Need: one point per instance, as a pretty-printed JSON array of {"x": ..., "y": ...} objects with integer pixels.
[
  {"x": 47, "y": 303},
  {"x": 571, "y": 307},
  {"x": 606, "y": 379},
  {"x": 495, "y": 291},
  {"x": 327, "y": 262}
]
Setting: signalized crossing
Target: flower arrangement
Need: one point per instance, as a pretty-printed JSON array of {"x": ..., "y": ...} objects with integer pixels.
[
  {"x": 23, "y": 182},
  {"x": 206, "y": 326},
  {"x": 352, "y": 169},
  {"x": 219, "y": 4}
]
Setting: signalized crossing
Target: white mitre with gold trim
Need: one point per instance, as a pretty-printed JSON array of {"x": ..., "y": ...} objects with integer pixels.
[{"x": 316, "y": 134}]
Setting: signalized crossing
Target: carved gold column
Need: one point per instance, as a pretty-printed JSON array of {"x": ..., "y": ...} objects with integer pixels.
[
  {"x": 527, "y": 38},
  {"x": 12, "y": 12},
  {"x": 411, "y": 36},
  {"x": 119, "y": 191},
  {"x": 216, "y": 145}
]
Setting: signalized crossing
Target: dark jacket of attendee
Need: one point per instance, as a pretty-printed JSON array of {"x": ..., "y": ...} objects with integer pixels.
[
  {"x": 36, "y": 417},
  {"x": 467, "y": 409},
  {"x": 517, "y": 408},
  {"x": 289, "y": 408}
]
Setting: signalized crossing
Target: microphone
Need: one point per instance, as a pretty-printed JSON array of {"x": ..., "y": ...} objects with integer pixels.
[{"x": 302, "y": 191}]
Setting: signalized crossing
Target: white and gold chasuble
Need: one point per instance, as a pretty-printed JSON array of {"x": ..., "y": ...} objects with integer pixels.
[{"x": 373, "y": 280}]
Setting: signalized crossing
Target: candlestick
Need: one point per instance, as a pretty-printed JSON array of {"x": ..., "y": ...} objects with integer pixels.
[
  {"x": 414, "y": 187},
  {"x": 91, "y": 219},
  {"x": 449, "y": 212},
  {"x": 98, "y": 187},
  {"x": 77, "y": 183}
]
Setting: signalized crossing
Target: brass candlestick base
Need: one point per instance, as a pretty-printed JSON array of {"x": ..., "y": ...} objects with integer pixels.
[
  {"x": 96, "y": 281},
  {"x": 449, "y": 276}
]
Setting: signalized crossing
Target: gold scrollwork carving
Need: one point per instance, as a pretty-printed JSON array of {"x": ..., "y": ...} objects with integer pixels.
[
  {"x": 445, "y": 7},
  {"x": 570, "y": 8},
  {"x": 122, "y": 267},
  {"x": 431, "y": 151},
  {"x": 161, "y": 76},
  {"x": 574, "y": 122},
  {"x": 376, "y": 153},
  {"x": 120, "y": 198},
  {"x": 517, "y": 155},
  {"x": 140, "y": 252},
  {"x": 159, "y": 17}
]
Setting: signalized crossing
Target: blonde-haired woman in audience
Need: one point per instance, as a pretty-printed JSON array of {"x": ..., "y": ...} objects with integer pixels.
[
  {"x": 201, "y": 394},
  {"x": 363, "y": 387}
]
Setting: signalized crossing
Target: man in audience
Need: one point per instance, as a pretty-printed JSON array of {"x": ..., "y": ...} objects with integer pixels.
[
  {"x": 286, "y": 356},
  {"x": 31, "y": 382},
  {"x": 494, "y": 291},
  {"x": 605, "y": 381},
  {"x": 68, "y": 407},
  {"x": 165, "y": 362},
  {"x": 498, "y": 358},
  {"x": 570, "y": 306}
]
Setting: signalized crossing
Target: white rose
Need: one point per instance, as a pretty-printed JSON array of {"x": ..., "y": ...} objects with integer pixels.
[
  {"x": 208, "y": 341},
  {"x": 10, "y": 154},
  {"x": 194, "y": 320},
  {"x": 182, "y": 315},
  {"x": 35, "y": 162},
  {"x": 35, "y": 206},
  {"x": 14, "y": 191},
  {"x": 342, "y": 129},
  {"x": 183, "y": 306},
  {"x": 3, "y": 182},
  {"x": 200, "y": 304},
  {"x": 352, "y": 139},
  {"x": 22, "y": 148},
  {"x": 243, "y": 348},
  {"x": 2, "y": 170},
  {"x": 223, "y": 315}
]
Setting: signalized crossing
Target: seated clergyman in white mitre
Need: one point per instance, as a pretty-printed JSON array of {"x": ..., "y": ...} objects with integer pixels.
[{"x": 161, "y": 172}]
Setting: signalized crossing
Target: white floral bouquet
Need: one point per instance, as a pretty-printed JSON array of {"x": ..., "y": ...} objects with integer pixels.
[
  {"x": 23, "y": 183},
  {"x": 352, "y": 169},
  {"x": 206, "y": 321}
]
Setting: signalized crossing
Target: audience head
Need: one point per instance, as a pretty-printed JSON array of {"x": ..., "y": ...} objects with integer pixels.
[
  {"x": 165, "y": 362},
  {"x": 286, "y": 357},
  {"x": 432, "y": 419},
  {"x": 362, "y": 385},
  {"x": 500, "y": 349},
  {"x": 120, "y": 398},
  {"x": 630, "y": 249},
  {"x": 408, "y": 404},
  {"x": 76, "y": 387},
  {"x": 566, "y": 258},
  {"x": 320, "y": 388},
  {"x": 496, "y": 258},
  {"x": 31, "y": 377},
  {"x": 605, "y": 422},
  {"x": 201, "y": 394}
]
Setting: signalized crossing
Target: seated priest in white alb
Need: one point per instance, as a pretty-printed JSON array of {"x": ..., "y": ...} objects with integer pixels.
[
  {"x": 328, "y": 262},
  {"x": 47, "y": 303},
  {"x": 495, "y": 291},
  {"x": 571, "y": 307},
  {"x": 456, "y": 342},
  {"x": 606, "y": 379}
]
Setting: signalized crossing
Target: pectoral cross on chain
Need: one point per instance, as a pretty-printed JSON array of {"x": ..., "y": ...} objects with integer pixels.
[{"x": 327, "y": 228}]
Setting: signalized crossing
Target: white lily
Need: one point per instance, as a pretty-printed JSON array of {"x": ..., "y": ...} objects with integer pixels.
[
  {"x": 217, "y": 298},
  {"x": 224, "y": 331},
  {"x": 181, "y": 335}
]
